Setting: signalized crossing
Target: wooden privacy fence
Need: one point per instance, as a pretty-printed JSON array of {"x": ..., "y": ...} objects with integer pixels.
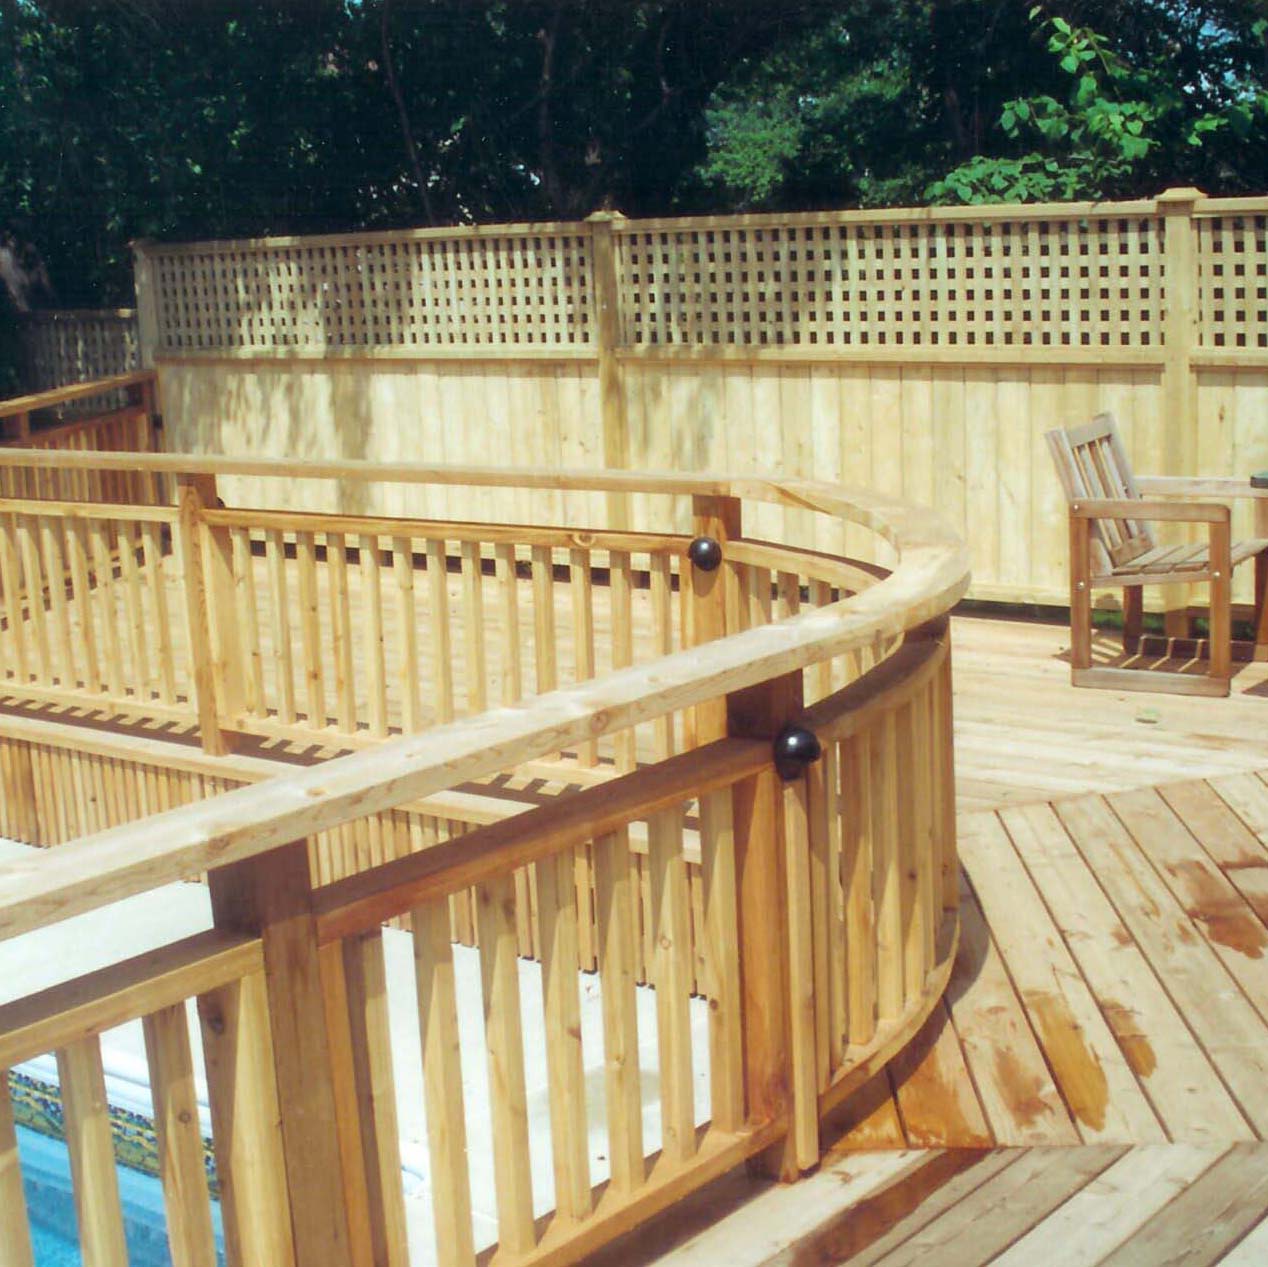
[
  {"x": 826, "y": 922},
  {"x": 68, "y": 345},
  {"x": 919, "y": 352}
]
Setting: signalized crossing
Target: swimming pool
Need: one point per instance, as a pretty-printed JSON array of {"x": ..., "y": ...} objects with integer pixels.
[{"x": 51, "y": 1207}]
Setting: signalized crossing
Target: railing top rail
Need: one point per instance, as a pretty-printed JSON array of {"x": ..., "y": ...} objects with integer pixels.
[
  {"x": 931, "y": 574},
  {"x": 891, "y": 518},
  {"x": 76, "y": 391}
]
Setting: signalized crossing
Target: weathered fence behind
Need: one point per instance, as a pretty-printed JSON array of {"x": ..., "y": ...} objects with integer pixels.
[
  {"x": 920, "y": 352},
  {"x": 65, "y": 346}
]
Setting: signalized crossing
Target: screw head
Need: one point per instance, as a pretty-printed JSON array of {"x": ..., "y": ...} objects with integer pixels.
[
  {"x": 795, "y": 748},
  {"x": 705, "y": 553}
]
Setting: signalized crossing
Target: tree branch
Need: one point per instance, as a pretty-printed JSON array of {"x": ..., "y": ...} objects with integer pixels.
[{"x": 407, "y": 133}]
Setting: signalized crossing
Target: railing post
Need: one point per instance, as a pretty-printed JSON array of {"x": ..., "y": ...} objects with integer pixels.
[
  {"x": 1179, "y": 383},
  {"x": 208, "y": 587},
  {"x": 607, "y": 340},
  {"x": 16, "y": 426},
  {"x": 146, "y": 303},
  {"x": 715, "y": 521},
  {"x": 761, "y": 862},
  {"x": 272, "y": 896}
]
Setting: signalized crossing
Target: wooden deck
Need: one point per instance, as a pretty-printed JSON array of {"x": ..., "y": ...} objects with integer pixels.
[
  {"x": 1094, "y": 1088},
  {"x": 1023, "y": 733}
]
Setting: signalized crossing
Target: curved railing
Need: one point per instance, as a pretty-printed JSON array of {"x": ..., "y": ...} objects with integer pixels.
[{"x": 810, "y": 902}]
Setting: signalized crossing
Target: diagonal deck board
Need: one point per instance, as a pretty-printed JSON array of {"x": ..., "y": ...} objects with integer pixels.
[{"x": 1093, "y": 1090}]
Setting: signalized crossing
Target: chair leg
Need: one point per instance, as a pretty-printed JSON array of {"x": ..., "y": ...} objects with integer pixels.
[
  {"x": 1133, "y": 617},
  {"x": 1221, "y": 604},
  {"x": 1260, "y": 635},
  {"x": 1080, "y": 596}
]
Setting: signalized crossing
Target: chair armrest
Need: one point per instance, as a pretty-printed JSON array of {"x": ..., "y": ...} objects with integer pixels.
[
  {"x": 1199, "y": 486},
  {"x": 1131, "y": 508}
]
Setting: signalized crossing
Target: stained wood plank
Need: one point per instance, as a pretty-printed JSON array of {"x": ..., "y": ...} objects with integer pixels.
[
  {"x": 1021, "y": 1100},
  {"x": 1231, "y": 1033},
  {"x": 1090, "y": 1070},
  {"x": 1185, "y": 1090},
  {"x": 934, "y": 1090}
]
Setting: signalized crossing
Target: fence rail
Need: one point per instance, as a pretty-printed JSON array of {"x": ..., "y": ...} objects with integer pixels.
[{"x": 812, "y": 904}]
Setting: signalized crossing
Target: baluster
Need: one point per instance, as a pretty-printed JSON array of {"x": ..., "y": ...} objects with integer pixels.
[
  {"x": 15, "y": 1250},
  {"x": 570, "y": 1147},
  {"x": 279, "y": 612},
  {"x": 16, "y": 601},
  {"x": 670, "y": 919},
  {"x": 99, "y": 535},
  {"x": 508, "y": 594},
  {"x": 372, "y": 609},
  {"x": 247, "y": 614},
  {"x": 885, "y": 836},
  {"x": 407, "y": 635},
  {"x": 310, "y": 629},
  {"x": 508, "y": 1106},
  {"x": 179, "y": 1136},
  {"x": 92, "y": 1165},
  {"x": 442, "y": 1084},
  {"x": 160, "y": 625},
  {"x": 33, "y": 576},
  {"x": 341, "y": 633},
  {"x": 615, "y": 897},
  {"x": 438, "y": 629},
  {"x": 245, "y": 1126},
  {"x": 473, "y": 621},
  {"x": 544, "y": 619},
  {"x": 76, "y": 544}
]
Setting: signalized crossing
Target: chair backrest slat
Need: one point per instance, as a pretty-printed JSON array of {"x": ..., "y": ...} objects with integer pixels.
[{"x": 1092, "y": 463}]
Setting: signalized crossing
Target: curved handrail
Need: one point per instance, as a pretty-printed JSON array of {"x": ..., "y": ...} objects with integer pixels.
[{"x": 930, "y": 575}]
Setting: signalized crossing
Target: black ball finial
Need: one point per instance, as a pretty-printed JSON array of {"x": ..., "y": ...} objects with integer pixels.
[
  {"x": 795, "y": 748},
  {"x": 705, "y": 553},
  {"x": 1259, "y": 479}
]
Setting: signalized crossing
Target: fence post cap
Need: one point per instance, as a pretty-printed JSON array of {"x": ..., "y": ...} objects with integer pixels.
[
  {"x": 1182, "y": 193},
  {"x": 605, "y": 217}
]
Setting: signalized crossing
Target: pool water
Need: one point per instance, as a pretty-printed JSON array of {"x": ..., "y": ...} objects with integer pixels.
[{"x": 51, "y": 1208}]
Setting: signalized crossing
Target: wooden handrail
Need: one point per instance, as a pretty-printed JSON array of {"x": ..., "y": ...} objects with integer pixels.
[
  {"x": 932, "y": 573},
  {"x": 77, "y": 391}
]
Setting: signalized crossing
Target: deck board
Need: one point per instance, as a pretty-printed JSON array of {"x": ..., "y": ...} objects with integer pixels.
[{"x": 1092, "y": 1090}]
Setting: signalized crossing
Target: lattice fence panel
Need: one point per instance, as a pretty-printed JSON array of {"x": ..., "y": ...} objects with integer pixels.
[
  {"x": 515, "y": 289},
  {"x": 64, "y": 347},
  {"x": 909, "y": 283},
  {"x": 1232, "y": 252}
]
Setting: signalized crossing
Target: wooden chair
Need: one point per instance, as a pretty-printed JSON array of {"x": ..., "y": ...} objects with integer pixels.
[{"x": 1112, "y": 544}]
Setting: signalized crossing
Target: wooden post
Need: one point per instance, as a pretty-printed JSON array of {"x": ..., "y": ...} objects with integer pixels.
[
  {"x": 762, "y": 877},
  {"x": 719, "y": 518},
  {"x": 215, "y": 650},
  {"x": 272, "y": 896},
  {"x": 1080, "y": 596},
  {"x": 16, "y": 427},
  {"x": 607, "y": 341},
  {"x": 1179, "y": 383},
  {"x": 146, "y": 303}
]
